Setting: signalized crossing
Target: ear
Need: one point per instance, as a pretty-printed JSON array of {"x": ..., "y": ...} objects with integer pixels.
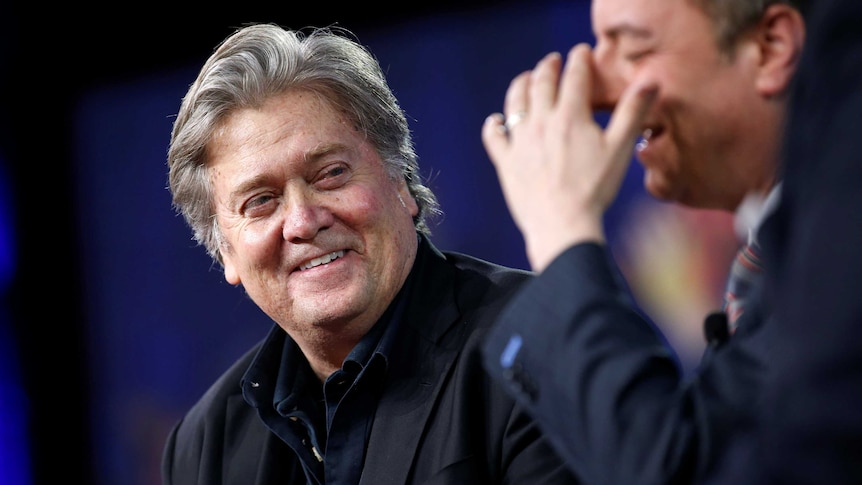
[
  {"x": 407, "y": 199},
  {"x": 230, "y": 273},
  {"x": 780, "y": 37}
]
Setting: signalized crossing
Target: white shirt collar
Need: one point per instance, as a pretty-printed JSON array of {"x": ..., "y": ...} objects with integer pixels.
[{"x": 752, "y": 211}]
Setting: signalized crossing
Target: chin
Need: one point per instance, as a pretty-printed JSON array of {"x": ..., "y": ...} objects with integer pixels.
[{"x": 658, "y": 187}]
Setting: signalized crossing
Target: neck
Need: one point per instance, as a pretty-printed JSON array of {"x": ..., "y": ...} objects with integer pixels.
[{"x": 326, "y": 348}]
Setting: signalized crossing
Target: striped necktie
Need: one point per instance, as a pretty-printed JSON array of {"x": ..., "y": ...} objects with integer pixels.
[{"x": 745, "y": 275}]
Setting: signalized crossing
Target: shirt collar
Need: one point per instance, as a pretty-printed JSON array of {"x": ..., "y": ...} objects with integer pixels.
[
  {"x": 752, "y": 211},
  {"x": 279, "y": 370}
]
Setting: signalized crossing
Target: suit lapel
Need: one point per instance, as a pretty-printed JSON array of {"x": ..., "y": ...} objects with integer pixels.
[{"x": 418, "y": 369}]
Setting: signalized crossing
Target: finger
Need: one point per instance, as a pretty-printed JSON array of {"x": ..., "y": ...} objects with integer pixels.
[
  {"x": 494, "y": 136},
  {"x": 544, "y": 83},
  {"x": 627, "y": 120},
  {"x": 516, "y": 100},
  {"x": 576, "y": 84}
]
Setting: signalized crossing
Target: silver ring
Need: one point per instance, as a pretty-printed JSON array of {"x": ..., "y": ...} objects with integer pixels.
[{"x": 513, "y": 119}]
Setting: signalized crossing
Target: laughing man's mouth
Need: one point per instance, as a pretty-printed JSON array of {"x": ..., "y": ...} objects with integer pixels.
[
  {"x": 326, "y": 258},
  {"x": 644, "y": 140}
]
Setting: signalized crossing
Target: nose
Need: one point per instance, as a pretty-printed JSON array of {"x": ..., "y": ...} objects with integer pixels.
[
  {"x": 304, "y": 217},
  {"x": 608, "y": 82}
]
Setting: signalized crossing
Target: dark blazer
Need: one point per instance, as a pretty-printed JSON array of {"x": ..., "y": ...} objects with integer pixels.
[
  {"x": 780, "y": 402},
  {"x": 812, "y": 415},
  {"x": 440, "y": 419},
  {"x": 576, "y": 351}
]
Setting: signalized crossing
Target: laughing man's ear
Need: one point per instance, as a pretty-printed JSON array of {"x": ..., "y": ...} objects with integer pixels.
[{"x": 780, "y": 36}]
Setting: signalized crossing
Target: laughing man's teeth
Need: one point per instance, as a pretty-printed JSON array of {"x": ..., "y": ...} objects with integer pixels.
[
  {"x": 322, "y": 260},
  {"x": 644, "y": 141}
]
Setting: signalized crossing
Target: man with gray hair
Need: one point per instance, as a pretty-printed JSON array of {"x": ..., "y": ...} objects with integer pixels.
[{"x": 292, "y": 162}]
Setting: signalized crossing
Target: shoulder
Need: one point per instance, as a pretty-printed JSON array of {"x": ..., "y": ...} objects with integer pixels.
[
  {"x": 221, "y": 403},
  {"x": 493, "y": 273},
  {"x": 472, "y": 281},
  {"x": 220, "y": 416},
  {"x": 483, "y": 287}
]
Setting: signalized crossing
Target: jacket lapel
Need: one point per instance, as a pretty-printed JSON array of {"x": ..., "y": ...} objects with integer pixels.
[{"x": 418, "y": 369}]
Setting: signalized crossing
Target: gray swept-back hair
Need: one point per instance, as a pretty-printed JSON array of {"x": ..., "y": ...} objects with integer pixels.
[
  {"x": 732, "y": 18},
  {"x": 260, "y": 61}
]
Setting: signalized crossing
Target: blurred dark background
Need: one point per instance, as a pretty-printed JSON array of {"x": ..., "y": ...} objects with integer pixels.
[{"x": 113, "y": 322}]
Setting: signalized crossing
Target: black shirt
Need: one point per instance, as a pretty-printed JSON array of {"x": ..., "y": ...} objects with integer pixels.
[{"x": 326, "y": 425}]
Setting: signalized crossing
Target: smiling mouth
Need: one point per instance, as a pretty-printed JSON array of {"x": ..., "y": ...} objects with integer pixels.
[
  {"x": 646, "y": 136},
  {"x": 326, "y": 258},
  {"x": 643, "y": 142}
]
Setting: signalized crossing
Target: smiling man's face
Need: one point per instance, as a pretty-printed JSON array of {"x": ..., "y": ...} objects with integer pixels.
[{"x": 316, "y": 231}]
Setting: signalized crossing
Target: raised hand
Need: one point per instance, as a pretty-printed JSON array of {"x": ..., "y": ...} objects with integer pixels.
[{"x": 558, "y": 169}]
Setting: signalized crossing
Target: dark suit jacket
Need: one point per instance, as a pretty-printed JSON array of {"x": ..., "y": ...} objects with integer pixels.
[
  {"x": 575, "y": 350},
  {"x": 812, "y": 415},
  {"x": 440, "y": 419}
]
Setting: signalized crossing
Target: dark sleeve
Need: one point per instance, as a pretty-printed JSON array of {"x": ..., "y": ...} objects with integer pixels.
[
  {"x": 574, "y": 349},
  {"x": 812, "y": 424}
]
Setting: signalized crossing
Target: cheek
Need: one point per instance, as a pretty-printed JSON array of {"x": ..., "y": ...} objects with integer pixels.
[
  {"x": 252, "y": 242},
  {"x": 368, "y": 204},
  {"x": 365, "y": 210}
]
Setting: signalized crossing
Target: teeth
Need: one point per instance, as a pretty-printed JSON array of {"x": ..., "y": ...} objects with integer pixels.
[
  {"x": 643, "y": 142},
  {"x": 322, "y": 260}
]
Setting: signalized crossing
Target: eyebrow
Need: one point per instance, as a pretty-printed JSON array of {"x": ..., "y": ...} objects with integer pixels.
[
  {"x": 627, "y": 29},
  {"x": 321, "y": 151}
]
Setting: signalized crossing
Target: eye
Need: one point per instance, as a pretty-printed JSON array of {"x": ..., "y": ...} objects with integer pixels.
[
  {"x": 259, "y": 205},
  {"x": 332, "y": 176},
  {"x": 636, "y": 56}
]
